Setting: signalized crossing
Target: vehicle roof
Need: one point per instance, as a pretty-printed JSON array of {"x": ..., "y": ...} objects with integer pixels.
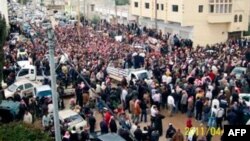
[
  {"x": 22, "y": 81},
  {"x": 139, "y": 71},
  {"x": 240, "y": 68},
  {"x": 63, "y": 114},
  {"x": 244, "y": 94},
  {"x": 10, "y": 105},
  {"x": 43, "y": 88},
  {"x": 111, "y": 137}
]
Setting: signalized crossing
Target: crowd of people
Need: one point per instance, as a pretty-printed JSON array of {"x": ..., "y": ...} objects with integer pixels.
[{"x": 195, "y": 81}]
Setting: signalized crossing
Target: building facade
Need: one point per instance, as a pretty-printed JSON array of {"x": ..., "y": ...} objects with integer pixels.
[
  {"x": 203, "y": 21},
  {"x": 4, "y": 10},
  {"x": 86, "y": 7}
]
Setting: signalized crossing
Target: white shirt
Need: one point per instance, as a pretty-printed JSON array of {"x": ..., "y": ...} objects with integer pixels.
[
  {"x": 169, "y": 79},
  {"x": 124, "y": 94},
  {"x": 156, "y": 97},
  {"x": 164, "y": 78},
  {"x": 133, "y": 128},
  {"x": 45, "y": 121},
  {"x": 50, "y": 108},
  {"x": 153, "y": 112},
  {"x": 27, "y": 118},
  {"x": 215, "y": 102},
  {"x": 171, "y": 100},
  {"x": 220, "y": 113},
  {"x": 214, "y": 111},
  {"x": 209, "y": 94}
]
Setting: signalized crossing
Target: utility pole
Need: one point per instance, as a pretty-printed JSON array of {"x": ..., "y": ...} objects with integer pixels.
[
  {"x": 53, "y": 2},
  {"x": 156, "y": 15},
  {"x": 115, "y": 11},
  {"x": 51, "y": 39},
  {"x": 78, "y": 19},
  {"x": 84, "y": 9}
]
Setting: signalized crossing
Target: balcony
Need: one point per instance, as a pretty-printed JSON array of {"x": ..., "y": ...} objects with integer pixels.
[{"x": 219, "y": 18}]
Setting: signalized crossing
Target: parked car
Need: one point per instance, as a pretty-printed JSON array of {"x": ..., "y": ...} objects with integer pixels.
[
  {"x": 72, "y": 119},
  {"x": 245, "y": 97},
  {"x": 25, "y": 86},
  {"x": 110, "y": 137},
  {"x": 9, "y": 111},
  {"x": 42, "y": 91},
  {"x": 238, "y": 71}
]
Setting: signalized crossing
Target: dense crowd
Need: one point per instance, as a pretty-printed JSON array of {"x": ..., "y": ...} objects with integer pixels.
[{"x": 196, "y": 81}]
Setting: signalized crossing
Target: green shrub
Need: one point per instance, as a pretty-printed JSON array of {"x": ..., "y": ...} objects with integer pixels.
[
  {"x": 95, "y": 19},
  {"x": 18, "y": 131},
  {"x": 122, "y": 2}
]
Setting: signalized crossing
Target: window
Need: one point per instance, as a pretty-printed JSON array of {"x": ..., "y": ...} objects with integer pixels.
[
  {"x": 221, "y": 8},
  {"x": 175, "y": 8},
  {"x": 23, "y": 72},
  {"x": 240, "y": 18},
  {"x": 230, "y": 8},
  {"x": 226, "y": 8},
  {"x": 28, "y": 86},
  {"x": 32, "y": 71},
  {"x": 217, "y": 8},
  {"x": 200, "y": 8},
  {"x": 92, "y": 7},
  {"x": 20, "y": 87},
  {"x": 136, "y": 4},
  {"x": 147, "y": 5},
  {"x": 157, "y": 6},
  {"x": 211, "y": 9},
  {"x": 236, "y": 18},
  {"x": 162, "y": 7}
]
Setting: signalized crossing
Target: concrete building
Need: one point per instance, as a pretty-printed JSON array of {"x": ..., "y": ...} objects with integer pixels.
[
  {"x": 109, "y": 13},
  {"x": 4, "y": 10},
  {"x": 204, "y": 21},
  {"x": 86, "y": 7}
]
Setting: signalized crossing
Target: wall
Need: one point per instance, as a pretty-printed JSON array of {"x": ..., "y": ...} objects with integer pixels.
[
  {"x": 147, "y": 12},
  {"x": 135, "y": 10},
  {"x": 175, "y": 16},
  {"x": 4, "y": 10}
]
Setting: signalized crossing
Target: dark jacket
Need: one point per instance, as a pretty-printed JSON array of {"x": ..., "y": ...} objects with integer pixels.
[
  {"x": 73, "y": 136},
  {"x": 92, "y": 122},
  {"x": 138, "y": 134},
  {"x": 170, "y": 132},
  {"x": 113, "y": 126},
  {"x": 104, "y": 127}
]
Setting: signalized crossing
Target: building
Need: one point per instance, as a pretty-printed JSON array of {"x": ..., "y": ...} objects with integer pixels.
[
  {"x": 86, "y": 7},
  {"x": 109, "y": 13},
  {"x": 203, "y": 21},
  {"x": 4, "y": 10}
]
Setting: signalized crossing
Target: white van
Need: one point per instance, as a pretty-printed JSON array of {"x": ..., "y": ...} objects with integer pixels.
[{"x": 29, "y": 72}]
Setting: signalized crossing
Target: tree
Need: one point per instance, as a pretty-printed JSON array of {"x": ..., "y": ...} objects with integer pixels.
[
  {"x": 122, "y": 2},
  {"x": 23, "y": 1},
  {"x": 96, "y": 19},
  {"x": 3, "y": 31},
  {"x": 22, "y": 132}
]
